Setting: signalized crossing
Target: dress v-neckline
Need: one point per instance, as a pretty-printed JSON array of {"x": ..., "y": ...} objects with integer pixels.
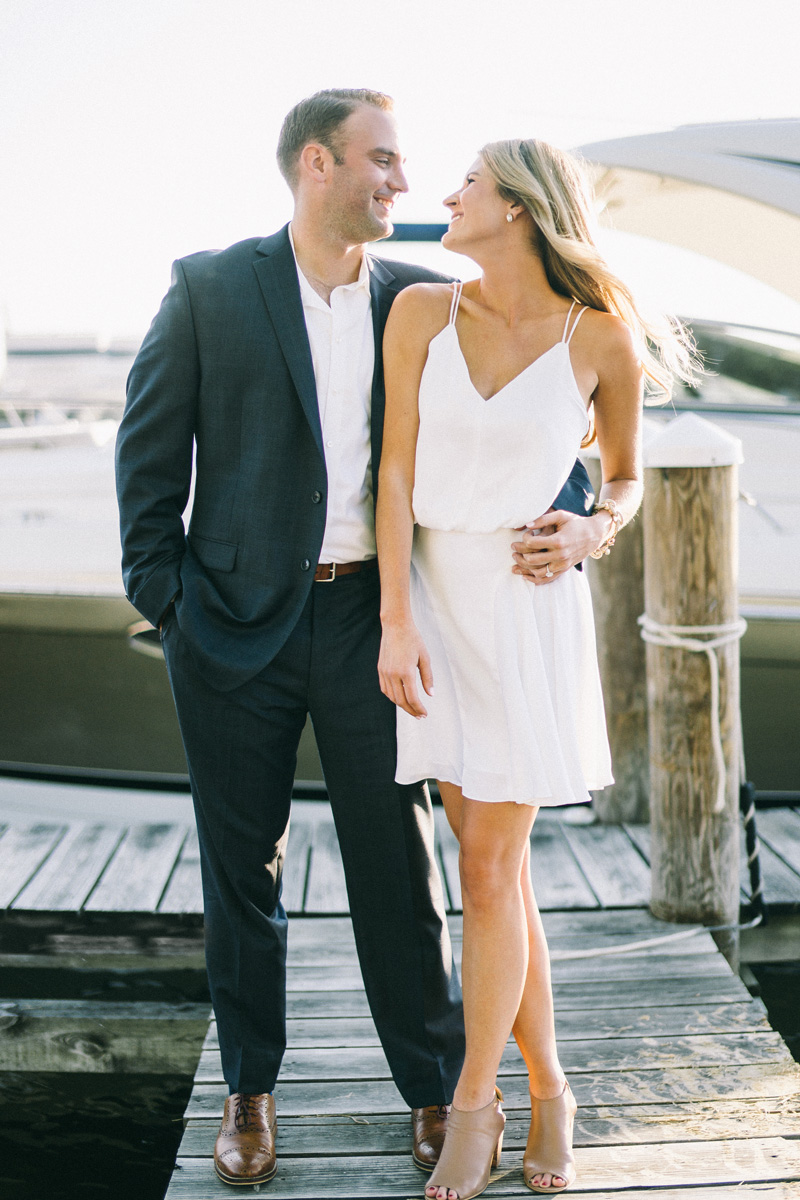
[{"x": 519, "y": 375}]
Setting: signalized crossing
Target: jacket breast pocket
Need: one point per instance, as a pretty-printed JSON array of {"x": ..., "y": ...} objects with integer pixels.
[{"x": 219, "y": 556}]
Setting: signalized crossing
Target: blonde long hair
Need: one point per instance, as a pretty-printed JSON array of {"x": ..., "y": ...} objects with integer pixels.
[{"x": 555, "y": 190}]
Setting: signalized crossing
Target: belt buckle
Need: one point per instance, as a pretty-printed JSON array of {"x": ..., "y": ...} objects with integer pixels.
[{"x": 332, "y": 575}]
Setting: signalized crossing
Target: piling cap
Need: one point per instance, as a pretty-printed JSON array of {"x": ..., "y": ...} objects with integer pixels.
[{"x": 692, "y": 441}]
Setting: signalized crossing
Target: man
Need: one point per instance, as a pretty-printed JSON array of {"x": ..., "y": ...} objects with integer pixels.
[{"x": 267, "y": 357}]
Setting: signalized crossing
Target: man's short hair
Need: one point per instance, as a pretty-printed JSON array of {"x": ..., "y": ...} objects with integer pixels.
[{"x": 319, "y": 119}]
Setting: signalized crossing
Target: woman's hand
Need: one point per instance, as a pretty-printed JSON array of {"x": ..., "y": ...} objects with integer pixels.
[
  {"x": 402, "y": 654},
  {"x": 555, "y": 542}
]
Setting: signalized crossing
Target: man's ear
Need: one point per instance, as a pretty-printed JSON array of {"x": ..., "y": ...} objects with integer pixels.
[{"x": 315, "y": 163}]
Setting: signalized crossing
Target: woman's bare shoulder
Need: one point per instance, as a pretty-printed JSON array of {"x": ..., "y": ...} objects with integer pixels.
[
  {"x": 609, "y": 343},
  {"x": 423, "y": 306},
  {"x": 606, "y": 331}
]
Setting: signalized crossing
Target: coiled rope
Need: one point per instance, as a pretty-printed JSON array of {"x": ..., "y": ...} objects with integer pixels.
[
  {"x": 705, "y": 639},
  {"x": 702, "y": 639}
]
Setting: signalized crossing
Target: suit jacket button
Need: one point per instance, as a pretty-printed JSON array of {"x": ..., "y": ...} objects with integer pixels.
[
  {"x": 316, "y": 497},
  {"x": 305, "y": 565}
]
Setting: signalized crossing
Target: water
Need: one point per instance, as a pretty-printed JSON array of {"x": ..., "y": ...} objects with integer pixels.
[
  {"x": 66, "y": 1136},
  {"x": 780, "y": 991},
  {"x": 96, "y": 1137}
]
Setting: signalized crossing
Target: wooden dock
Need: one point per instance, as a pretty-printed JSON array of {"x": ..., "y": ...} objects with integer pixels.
[
  {"x": 681, "y": 1084},
  {"x": 684, "y": 1091},
  {"x": 94, "y": 868}
]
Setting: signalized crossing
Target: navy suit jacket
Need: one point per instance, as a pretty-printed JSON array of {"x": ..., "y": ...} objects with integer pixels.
[{"x": 225, "y": 371}]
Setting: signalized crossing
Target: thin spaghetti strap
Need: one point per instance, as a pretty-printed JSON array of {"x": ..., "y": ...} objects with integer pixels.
[
  {"x": 566, "y": 323},
  {"x": 575, "y": 322},
  {"x": 454, "y": 302}
]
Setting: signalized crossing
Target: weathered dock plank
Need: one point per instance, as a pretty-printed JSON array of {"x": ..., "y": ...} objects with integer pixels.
[
  {"x": 768, "y": 1081},
  {"x": 388, "y": 1133},
  {"x": 23, "y": 851},
  {"x": 139, "y": 872},
  {"x": 638, "y": 967},
  {"x": 577, "y": 1056},
  {"x": 779, "y": 879},
  {"x": 681, "y": 1165},
  {"x": 71, "y": 871},
  {"x": 618, "y": 874},
  {"x": 602, "y": 996},
  {"x": 314, "y": 943},
  {"x": 295, "y": 871},
  {"x": 325, "y": 889},
  {"x": 557, "y": 924},
  {"x": 184, "y": 893},
  {"x": 97, "y": 1037},
  {"x": 558, "y": 881},
  {"x": 580, "y": 1025},
  {"x": 780, "y": 829}
]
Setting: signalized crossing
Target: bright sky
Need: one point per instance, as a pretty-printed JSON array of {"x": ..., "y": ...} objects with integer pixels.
[{"x": 134, "y": 131}]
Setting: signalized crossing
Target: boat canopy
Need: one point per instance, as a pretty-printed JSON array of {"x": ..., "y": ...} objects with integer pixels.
[{"x": 730, "y": 191}]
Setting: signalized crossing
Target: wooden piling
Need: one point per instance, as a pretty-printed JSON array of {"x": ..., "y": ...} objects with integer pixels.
[
  {"x": 617, "y": 583},
  {"x": 691, "y": 561}
]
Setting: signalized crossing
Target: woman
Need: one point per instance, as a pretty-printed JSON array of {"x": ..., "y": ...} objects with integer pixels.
[{"x": 489, "y": 390}]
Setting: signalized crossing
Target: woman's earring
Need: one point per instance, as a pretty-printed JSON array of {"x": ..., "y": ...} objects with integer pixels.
[{"x": 509, "y": 217}]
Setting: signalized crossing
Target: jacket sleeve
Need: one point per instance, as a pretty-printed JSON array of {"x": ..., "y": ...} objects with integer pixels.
[
  {"x": 154, "y": 454},
  {"x": 576, "y": 495}
]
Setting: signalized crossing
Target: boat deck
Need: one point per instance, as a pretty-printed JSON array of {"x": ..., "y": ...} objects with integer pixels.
[{"x": 95, "y": 867}]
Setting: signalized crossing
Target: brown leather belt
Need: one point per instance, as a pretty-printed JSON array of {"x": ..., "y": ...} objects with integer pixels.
[{"x": 327, "y": 572}]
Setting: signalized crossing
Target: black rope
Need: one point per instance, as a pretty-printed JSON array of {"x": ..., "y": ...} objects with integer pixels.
[{"x": 747, "y": 806}]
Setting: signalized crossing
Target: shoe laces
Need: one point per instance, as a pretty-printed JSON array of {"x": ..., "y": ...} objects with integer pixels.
[{"x": 247, "y": 1108}]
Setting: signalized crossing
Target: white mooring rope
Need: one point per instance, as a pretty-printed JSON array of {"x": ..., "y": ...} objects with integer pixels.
[
  {"x": 701, "y": 639},
  {"x": 646, "y": 943}
]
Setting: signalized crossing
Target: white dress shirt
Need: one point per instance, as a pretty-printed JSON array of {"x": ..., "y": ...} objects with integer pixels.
[{"x": 343, "y": 353}]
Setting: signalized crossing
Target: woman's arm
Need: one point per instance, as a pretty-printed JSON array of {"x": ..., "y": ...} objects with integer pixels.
[
  {"x": 618, "y": 419},
  {"x": 411, "y": 324},
  {"x": 617, "y": 395}
]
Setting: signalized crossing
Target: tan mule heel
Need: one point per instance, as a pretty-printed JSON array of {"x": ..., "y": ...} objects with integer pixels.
[
  {"x": 472, "y": 1146},
  {"x": 549, "y": 1148}
]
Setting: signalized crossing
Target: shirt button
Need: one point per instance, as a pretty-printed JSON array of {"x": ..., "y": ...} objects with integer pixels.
[
  {"x": 316, "y": 497},
  {"x": 305, "y": 565},
  {"x": 329, "y": 442}
]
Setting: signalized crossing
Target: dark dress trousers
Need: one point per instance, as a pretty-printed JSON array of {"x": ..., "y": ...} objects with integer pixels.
[{"x": 253, "y": 645}]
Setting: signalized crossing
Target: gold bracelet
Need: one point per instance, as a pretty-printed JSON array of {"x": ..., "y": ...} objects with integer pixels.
[{"x": 617, "y": 521}]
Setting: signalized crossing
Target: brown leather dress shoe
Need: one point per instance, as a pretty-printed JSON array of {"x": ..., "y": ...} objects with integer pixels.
[
  {"x": 245, "y": 1148},
  {"x": 430, "y": 1126}
]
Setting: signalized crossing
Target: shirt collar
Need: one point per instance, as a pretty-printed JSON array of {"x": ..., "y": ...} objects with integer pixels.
[{"x": 312, "y": 298}]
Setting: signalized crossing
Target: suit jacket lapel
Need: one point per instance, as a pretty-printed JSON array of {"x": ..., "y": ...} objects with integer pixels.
[
  {"x": 383, "y": 289},
  {"x": 276, "y": 271}
]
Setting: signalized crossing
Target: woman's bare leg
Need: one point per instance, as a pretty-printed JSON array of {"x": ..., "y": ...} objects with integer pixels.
[
  {"x": 534, "y": 1025},
  {"x": 493, "y": 840},
  {"x": 534, "y": 1028}
]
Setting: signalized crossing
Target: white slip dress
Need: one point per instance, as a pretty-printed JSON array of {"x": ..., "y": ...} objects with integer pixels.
[{"x": 517, "y": 711}]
